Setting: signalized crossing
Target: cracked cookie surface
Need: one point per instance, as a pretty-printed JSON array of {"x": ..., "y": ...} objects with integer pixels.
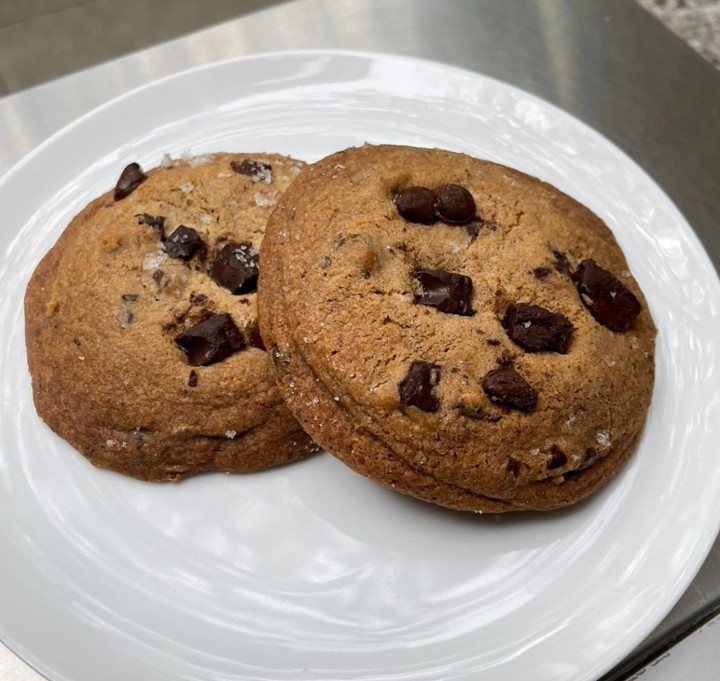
[
  {"x": 455, "y": 329},
  {"x": 141, "y": 323}
]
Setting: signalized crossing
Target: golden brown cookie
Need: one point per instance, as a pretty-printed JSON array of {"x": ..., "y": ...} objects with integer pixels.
[
  {"x": 455, "y": 329},
  {"x": 141, "y": 323}
]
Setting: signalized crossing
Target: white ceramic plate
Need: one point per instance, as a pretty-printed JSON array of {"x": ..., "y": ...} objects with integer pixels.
[{"x": 309, "y": 571}]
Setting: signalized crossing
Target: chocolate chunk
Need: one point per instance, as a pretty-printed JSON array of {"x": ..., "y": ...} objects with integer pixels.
[
  {"x": 508, "y": 387},
  {"x": 447, "y": 291},
  {"x": 211, "y": 340},
  {"x": 417, "y": 204},
  {"x": 183, "y": 243},
  {"x": 492, "y": 341},
  {"x": 536, "y": 329},
  {"x": 192, "y": 378},
  {"x": 557, "y": 457},
  {"x": 455, "y": 204},
  {"x": 130, "y": 179},
  {"x": 155, "y": 222},
  {"x": 416, "y": 389},
  {"x": 589, "y": 458},
  {"x": 541, "y": 273},
  {"x": 613, "y": 305},
  {"x": 561, "y": 263},
  {"x": 257, "y": 171},
  {"x": 253, "y": 337},
  {"x": 129, "y": 297},
  {"x": 236, "y": 268}
]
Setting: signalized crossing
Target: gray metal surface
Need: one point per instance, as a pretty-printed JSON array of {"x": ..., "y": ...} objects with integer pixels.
[{"x": 606, "y": 61}]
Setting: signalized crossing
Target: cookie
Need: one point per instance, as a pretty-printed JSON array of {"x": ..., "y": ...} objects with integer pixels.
[
  {"x": 141, "y": 323},
  {"x": 454, "y": 329}
]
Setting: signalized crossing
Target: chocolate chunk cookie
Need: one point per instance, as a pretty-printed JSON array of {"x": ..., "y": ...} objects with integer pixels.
[
  {"x": 455, "y": 329},
  {"x": 141, "y": 323}
]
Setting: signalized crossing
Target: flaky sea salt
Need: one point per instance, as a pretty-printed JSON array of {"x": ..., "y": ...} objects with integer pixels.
[
  {"x": 609, "y": 362},
  {"x": 634, "y": 343},
  {"x": 167, "y": 161},
  {"x": 602, "y": 437},
  {"x": 153, "y": 260},
  {"x": 534, "y": 452},
  {"x": 110, "y": 443},
  {"x": 265, "y": 199},
  {"x": 230, "y": 434},
  {"x": 206, "y": 218},
  {"x": 571, "y": 421},
  {"x": 187, "y": 187}
]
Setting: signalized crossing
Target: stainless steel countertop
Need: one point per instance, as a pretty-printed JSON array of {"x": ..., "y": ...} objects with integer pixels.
[{"x": 607, "y": 62}]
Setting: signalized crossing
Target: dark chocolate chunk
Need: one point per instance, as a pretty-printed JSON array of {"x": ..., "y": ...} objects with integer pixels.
[
  {"x": 183, "y": 243},
  {"x": 155, "y": 222},
  {"x": 417, "y": 204},
  {"x": 416, "y": 389},
  {"x": 561, "y": 263},
  {"x": 257, "y": 171},
  {"x": 129, "y": 297},
  {"x": 541, "y": 273},
  {"x": 613, "y": 305},
  {"x": 589, "y": 458},
  {"x": 447, "y": 291},
  {"x": 455, "y": 204},
  {"x": 508, "y": 387},
  {"x": 192, "y": 378},
  {"x": 211, "y": 340},
  {"x": 236, "y": 268},
  {"x": 557, "y": 457},
  {"x": 492, "y": 341},
  {"x": 130, "y": 179},
  {"x": 536, "y": 329}
]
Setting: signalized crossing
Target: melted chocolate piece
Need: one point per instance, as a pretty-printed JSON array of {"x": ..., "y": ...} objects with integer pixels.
[
  {"x": 257, "y": 171},
  {"x": 557, "y": 457},
  {"x": 613, "y": 305},
  {"x": 417, "y": 204},
  {"x": 508, "y": 387},
  {"x": 156, "y": 223},
  {"x": 211, "y": 340},
  {"x": 183, "y": 243},
  {"x": 416, "y": 389},
  {"x": 536, "y": 329},
  {"x": 455, "y": 204},
  {"x": 131, "y": 178},
  {"x": 447, "y": 291},
  {"x": 236, "y": 268}
]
